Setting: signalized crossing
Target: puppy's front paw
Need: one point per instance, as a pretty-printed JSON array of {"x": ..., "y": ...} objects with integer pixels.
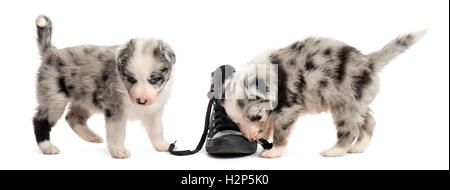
[
  {"x": 356, "y": 149},
  {"x": 120, "y": 153},
  {"x": 333, "y": 152},
  {"x": 48, "y": 148},
  {"x": 359, "y": 146},
  {"x": 272, "y": 153},
  {"x": 162, "y": 146}
]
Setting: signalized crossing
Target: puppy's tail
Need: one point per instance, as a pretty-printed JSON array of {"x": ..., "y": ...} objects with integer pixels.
[
  {"x": 395, "y": 47},
  {"x": 44, "y": 34}
]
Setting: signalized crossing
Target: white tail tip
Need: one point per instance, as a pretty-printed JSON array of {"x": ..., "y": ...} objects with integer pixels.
[
  {"x": 419, "y": 34},
  {"x": 42, "y": 21}
]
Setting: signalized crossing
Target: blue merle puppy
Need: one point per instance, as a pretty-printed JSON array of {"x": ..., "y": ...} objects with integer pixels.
[
  {"x": 267, "y": 96},
  {"x": 131, "y": 81}
]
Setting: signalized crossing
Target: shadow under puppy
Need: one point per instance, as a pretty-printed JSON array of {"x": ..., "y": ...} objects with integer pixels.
[
  {"x": 310, "y": 76},
  {"x": 131, "y": 81}
]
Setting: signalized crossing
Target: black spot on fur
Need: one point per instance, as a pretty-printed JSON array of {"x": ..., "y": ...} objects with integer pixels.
[
  {"x": 343, "y": 55},
  {"x": 62, "y": 86},
  {"x": 401, "y": 42},
  {"x": 299, "y": 48},
  {"x": 300, "y": 84},
  {"x": 108, "y": 113},
  {"x": 343, "y": 135},
  {"x": 341, "y": 123},
  {"x": 323, "y": 83},
  {"x": 42, "y": 129},
  {"x": 95, "y": 100},
  {"x": 48, "y": 61},
  {"x": 360, "y": 82},
  {"x": 309, "y": 66},
  {"x": 327, "y": 52},
  {"x": 275, "y": 60},
  {"x": 105, "y": 77},
  {"x": 157, "y": 52},
  {"x": 296, "y": 46}
]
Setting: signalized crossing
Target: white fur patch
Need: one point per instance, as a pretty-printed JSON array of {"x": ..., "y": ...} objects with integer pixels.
[
  {"x": 275, "y": 152},
  {"x": 48, "y": 148},
  {"x": 41, "y": 21},
  {"x": 360, "y": 146},
  {"x": 334, "y": 152}
]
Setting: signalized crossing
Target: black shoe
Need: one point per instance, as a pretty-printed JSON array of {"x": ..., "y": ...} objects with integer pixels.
[{"x": 222, "y": 135}]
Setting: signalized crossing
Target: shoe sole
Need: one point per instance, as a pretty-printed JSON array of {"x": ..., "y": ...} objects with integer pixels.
[{"x": 230, "y": 145}]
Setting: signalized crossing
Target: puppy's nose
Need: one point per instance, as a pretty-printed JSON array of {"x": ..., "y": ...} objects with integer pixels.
[
  {"x": 254, "y": 135},
  {"x": 141, "y": 101}
]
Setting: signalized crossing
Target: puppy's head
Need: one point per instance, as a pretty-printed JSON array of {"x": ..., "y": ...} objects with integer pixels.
[
  {"x": 145, "y": 66},
  {"x": 251, "y": 96}
]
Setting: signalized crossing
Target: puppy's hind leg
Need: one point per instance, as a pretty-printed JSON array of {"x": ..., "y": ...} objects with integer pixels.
[
  {"x": 77, "y": 117},
  {"x": 365, "y": 135},
  {"x": 347, "y": 119},
  {"x": 48, "y": 113}
]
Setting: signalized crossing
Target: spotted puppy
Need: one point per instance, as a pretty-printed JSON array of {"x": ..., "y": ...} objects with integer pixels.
[
  {"x": 310, "y": 76},
  {"x": 131, "y": 81}
]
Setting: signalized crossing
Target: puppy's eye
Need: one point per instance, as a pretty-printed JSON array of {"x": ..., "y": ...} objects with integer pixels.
[
  {"x": 255, "y": 118},
  {"x": 131, "y": 80},
  {"x": 154, "y": 80}
]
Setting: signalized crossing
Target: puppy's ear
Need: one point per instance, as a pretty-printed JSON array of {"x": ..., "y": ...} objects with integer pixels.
[
  {"x": 124, "y": 53},
  {"x": 264, "y": 87},
  {"x": 164, "y": 53}
]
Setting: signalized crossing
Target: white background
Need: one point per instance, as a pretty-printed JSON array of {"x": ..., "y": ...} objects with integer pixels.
[{"x": 412, "y": 108}]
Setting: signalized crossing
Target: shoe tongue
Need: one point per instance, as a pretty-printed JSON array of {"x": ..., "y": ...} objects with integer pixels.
[{"x": 218, "y": 78}]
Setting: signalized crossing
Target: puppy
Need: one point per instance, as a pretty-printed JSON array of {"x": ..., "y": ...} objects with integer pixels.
[
  {"x": 310, "y": 76},
  {"x": 131, "y": 81}
]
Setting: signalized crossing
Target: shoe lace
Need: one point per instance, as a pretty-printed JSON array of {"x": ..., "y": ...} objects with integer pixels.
[{"x": 221, "y": 121}]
